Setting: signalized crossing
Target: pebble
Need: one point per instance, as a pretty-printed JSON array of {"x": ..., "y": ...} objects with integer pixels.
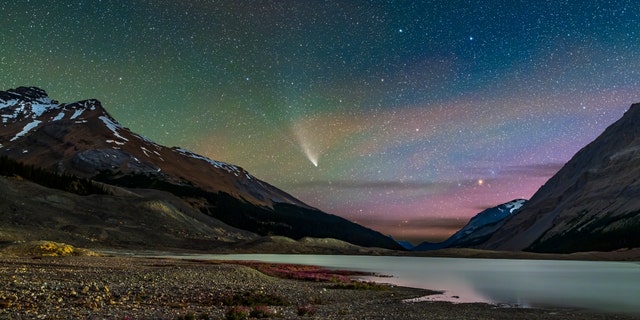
[{"x": 145, "y": 288}]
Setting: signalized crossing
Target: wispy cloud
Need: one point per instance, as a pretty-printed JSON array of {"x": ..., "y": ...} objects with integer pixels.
[
  {"x": 534, "y": 170},
  {"x": 417, "y": 230},
  {"x": 526, "y": 170},
  {"x": 395, "y": 185},
  {"x": 423, "y": 223}
]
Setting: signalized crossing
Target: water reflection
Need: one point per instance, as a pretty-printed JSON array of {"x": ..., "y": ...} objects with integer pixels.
[{"x": 603, "y": 286}]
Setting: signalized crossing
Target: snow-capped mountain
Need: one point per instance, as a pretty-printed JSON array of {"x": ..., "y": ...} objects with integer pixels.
[
  {"x": 479, "y": 228},
  {"x": 82, "y": 139},
  {"x": 591, "y": 204}
]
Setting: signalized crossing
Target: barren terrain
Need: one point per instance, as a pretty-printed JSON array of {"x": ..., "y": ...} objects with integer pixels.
[{"x": 46, "y": 280}]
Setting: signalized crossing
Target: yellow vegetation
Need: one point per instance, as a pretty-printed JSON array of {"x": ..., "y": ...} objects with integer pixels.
[
  {"x": 52, "y": 249},
  {"x": 44, "y": 249}
]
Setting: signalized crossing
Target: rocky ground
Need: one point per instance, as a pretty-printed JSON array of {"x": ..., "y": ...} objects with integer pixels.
[{"x": 89, "y": 287}]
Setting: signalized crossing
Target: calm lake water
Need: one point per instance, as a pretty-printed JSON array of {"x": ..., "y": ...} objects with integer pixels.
[{"x": 602, "y": 286}]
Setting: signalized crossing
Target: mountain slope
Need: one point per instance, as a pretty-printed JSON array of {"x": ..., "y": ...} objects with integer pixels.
[
  {"x": 479, "y": 228},
  {"x": 591, "y": 204},
  {"x": 29, "y": 211},
  {"x": 82, "y": 139}
]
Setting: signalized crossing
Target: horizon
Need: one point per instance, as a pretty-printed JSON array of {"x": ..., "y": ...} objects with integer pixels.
[{"x": 395, "y": 116}]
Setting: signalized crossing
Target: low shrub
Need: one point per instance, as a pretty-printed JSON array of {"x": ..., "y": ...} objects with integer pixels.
[
  {"x": 302, "y": 272},
  {"x": 53, "y": 249},
  {"x": 307, "y": 310},
  {"x": 243, "y": 312},
  {"x": 360, "y": 285},
  {"x": 261, "y": 312},
  {"x": 238, "y": 313}
]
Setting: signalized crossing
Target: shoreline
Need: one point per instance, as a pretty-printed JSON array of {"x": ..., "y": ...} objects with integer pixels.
[
  {"x": 632, "y": 254},
  {"x": 118, "y": 287}
]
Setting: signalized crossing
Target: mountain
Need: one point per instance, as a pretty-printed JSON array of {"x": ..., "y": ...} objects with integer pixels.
[
  {"x": 479, "y": 228},
  {"x": 405, "y": 244},
  {"x": 120, "y": 219},
  {"x": 591, "y": 204},
  {"x": 83, "y": 140}
]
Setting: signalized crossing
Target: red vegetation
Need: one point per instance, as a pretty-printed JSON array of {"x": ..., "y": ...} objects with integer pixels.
[{"x": 302, "y": 272}]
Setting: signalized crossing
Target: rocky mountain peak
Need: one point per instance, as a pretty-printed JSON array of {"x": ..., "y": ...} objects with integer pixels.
[
  {"x": 33, "y": 103},
  {"x": 27, "y": 94}
]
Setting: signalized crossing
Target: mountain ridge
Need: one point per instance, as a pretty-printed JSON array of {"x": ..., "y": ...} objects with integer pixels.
[
  {"x": 591, "y": 203},
  {"x": 81, "y": 138},
  {"x": 478, "y": 229},
  {"x": 119, "y": 147}
]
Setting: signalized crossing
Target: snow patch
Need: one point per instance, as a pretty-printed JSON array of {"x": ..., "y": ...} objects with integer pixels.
[
  {"x": 39, "y": 109},
  {"x": 76, "y": 114},
  {"x": 147, "y": 140},
  {"x": 28, "y": 109},
  {"x": 16, "y": 112},
  {"x": 514, "y": 205},
  {"x": 8, "y": 103},
  {"x": 59, "y": 116},
  {"x": 218, "y": 164},
  {"x": 113, "y": 127},
  {"x": 148, "y": 152},
  {"x": 116, "y": 142},
  {"x": 26, "y": 129}
]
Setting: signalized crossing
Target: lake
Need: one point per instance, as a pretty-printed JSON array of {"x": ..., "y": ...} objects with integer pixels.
[{"x": 597, "y": 285}]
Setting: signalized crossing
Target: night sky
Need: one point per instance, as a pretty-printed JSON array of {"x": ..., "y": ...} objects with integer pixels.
[{"x": 406, "y": 116}]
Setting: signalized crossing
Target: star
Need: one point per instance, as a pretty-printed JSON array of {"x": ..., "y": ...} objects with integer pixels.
[{"x": 377, "y": 91}]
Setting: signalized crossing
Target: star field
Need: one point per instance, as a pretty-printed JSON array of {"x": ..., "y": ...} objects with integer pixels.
[{"x": 406, "y": 116}]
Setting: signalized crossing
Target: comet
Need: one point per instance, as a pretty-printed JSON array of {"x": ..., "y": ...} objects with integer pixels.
[
  {"x": 312, "y": 157},
  {"x": 302, "y": 136},
  {"x": 309, "y": 152}
]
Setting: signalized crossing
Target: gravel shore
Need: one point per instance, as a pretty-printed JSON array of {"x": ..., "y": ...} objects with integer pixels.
[{"x": 145, "y": 288}]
